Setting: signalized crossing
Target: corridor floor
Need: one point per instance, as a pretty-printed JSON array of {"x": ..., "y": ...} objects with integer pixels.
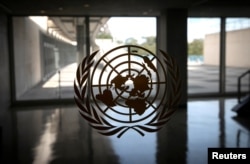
[
  {"x": 58, "y": 134},
  {"x": 201, "y": 79}
]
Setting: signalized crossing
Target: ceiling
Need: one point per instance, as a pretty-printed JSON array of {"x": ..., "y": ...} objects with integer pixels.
[
  {"x": 110, "y": 7},
  {"x": 63, "y": 13},
  {"x": 66, "y": 26}
]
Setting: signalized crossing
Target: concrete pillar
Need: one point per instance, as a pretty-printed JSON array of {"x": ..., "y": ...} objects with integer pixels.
[
  {"x": 172, "y": 38},
  {"x": 4, "y": 64},
  {"x": 80, "y": 42}
]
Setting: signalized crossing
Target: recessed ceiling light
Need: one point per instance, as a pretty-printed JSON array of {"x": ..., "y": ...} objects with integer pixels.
[
  {"x": 86, "y": 5},
  {"x": 42, "y": 11}
]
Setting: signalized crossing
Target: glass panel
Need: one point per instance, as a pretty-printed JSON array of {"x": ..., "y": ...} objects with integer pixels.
[
  {"x": 203, "y": 55},
  {"x": 128, "y": 30},
  {"x": 47, "y": 49},
  {"x": 237, "y": 53},
  {"x": 124, "y": 65},
  {"x": 45, "y": 57},
  {"x": 119, "y": 31}
]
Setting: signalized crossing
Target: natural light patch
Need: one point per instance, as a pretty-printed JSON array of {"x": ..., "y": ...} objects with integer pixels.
[
  {"x": 41, "y": 21},
  {"x": 53, "y": 82},
  {"x": 199, "y": 27},
  {"x": 43, "y": 152},
  {"x": 123, "y": 28},
  {"x": 64, "y": 78}
]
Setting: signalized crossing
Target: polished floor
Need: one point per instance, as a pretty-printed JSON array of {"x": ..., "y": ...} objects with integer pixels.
[{"x": 58, "y": 135}]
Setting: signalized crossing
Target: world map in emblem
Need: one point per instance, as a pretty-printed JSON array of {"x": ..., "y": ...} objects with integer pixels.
[{"x": 124, "y": 88}]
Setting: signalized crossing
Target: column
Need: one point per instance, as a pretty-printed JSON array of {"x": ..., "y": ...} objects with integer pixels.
[{"x": 172, "y": 38}]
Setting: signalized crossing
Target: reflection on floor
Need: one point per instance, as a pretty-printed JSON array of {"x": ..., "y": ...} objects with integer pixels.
[{"x": 58, "y": 134}]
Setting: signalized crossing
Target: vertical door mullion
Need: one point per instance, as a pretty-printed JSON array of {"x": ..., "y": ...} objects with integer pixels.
[{"x": 222, "y": 67}]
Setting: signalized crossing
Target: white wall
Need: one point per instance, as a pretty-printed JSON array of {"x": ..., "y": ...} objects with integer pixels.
[
  {"x": 27, "y": 54},
  {"x": 237, "y": 49},
  {"x": 211, "y": 49}
]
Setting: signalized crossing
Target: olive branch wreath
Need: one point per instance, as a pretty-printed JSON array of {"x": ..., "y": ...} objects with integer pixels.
[{"x": 88, "y": 112}]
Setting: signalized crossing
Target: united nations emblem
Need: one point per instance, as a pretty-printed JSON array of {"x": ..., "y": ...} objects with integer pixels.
[{"x": 127, "y": 88}]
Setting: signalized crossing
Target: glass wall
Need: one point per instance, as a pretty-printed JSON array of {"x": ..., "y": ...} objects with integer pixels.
[
  {"x": 203, "y": 55},
  {"x": 128, "y": 31},
  {"x": 45, "y": 56},
  {"x": 48, "y": 49},
  {"x": 237, "y": 53}
]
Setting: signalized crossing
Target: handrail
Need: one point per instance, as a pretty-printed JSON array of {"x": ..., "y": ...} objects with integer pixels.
[{"x": 239, "y": 84}]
